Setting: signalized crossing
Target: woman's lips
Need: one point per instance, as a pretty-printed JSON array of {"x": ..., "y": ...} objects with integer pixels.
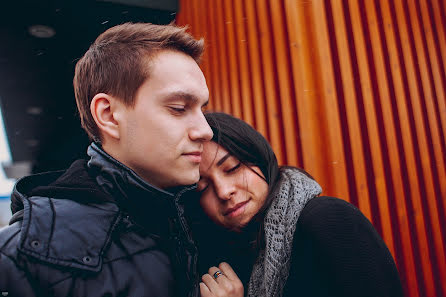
[{"x": 236, "y": 210}]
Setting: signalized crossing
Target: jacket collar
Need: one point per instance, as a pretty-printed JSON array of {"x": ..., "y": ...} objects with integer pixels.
[
  {"x": 149, "y": 206},
  {"x": 145, "y": 203},
  {"x": 116, "y": 178}
]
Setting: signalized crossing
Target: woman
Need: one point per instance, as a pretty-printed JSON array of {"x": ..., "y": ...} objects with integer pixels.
[{"x": 272, "y": 234}]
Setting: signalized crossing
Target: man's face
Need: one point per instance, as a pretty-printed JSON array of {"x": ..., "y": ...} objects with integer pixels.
[{"x": 163, "y": 134}]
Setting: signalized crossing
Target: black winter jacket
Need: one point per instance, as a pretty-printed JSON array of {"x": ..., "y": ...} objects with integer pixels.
[{"x": 96, "y": 229}]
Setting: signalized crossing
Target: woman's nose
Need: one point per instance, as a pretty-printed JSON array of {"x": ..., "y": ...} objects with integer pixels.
[{"x": 225, "y": 190}]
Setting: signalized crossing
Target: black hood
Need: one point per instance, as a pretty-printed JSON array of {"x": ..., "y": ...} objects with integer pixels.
[{"x": 75, "y": 184}]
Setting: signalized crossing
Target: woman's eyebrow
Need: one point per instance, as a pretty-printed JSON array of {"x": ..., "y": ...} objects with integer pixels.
[{"x": 223, "y": 159}]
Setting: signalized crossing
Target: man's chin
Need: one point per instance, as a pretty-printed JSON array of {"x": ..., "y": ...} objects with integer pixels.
[{"x": 186, "y": 181}]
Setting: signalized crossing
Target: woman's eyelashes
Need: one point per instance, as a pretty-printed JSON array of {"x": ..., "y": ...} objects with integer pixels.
[
  {"x": 234, "y": 168},
  {"x": 203, "y": 183}
]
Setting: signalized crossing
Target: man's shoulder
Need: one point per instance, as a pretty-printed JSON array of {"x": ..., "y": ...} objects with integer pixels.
[
  {"x": 50, "y": 265},
  {"x": 9, "y": 238},
  {"x": 13, "y": 279},
  {"x": 65, "y": 232}
]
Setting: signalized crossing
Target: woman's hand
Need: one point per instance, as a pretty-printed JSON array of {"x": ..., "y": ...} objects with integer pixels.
[{"x": 225, "y": 285}]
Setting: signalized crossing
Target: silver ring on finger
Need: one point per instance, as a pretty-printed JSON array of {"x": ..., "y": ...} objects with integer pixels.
[{"x": 217, "y": 274}]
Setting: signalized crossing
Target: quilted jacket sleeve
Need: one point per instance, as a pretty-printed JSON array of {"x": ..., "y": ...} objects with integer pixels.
[{"x": 13, "y": 281}]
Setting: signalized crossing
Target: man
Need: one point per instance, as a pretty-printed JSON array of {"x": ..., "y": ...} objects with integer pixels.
[{"x": 113, "y": 225}]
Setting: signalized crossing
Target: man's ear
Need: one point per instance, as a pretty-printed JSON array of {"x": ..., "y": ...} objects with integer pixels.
[{"x": 103, "y": 108}]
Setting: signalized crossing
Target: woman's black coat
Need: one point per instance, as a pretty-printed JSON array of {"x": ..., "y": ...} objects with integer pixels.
[{"x": 336, "y": 252}]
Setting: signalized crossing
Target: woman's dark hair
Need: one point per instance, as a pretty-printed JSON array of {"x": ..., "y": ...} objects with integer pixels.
[
  {"x": 252, "y": 149},
  {"x": 246, "y": 144}
]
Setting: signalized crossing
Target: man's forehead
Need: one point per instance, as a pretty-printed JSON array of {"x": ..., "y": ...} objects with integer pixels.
[
  {"x": 179, "y": 78},
  {"x": 176, "y": 71}
]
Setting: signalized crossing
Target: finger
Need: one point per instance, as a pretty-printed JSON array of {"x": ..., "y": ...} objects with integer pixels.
[
  {"x": 228, "y": 271},
  {"x": 234, "y": 282},
  {"x": 209, "y": 281},
  {"x": 221, "y": 286},
  {"x": 204, "y": 290},
  {"x": 212, "y": 272}
]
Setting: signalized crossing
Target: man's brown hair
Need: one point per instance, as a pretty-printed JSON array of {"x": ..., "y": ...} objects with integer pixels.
[{"x": 116, "y": 63}]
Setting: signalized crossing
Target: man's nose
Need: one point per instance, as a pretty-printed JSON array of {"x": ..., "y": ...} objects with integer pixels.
[{"x": 201, "y": 130}]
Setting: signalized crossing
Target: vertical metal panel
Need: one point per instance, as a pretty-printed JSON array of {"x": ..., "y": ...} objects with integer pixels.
[
  {"x": 232, "y": 57},
  {"x": 409, "y": 174},
  {"x": 335, "y": 169},
  {"x": 285, "y": 86},
  {"x": 256, "y": 68},
  {"x": 241, "y": 41},
  {"x": 372, "y": 119},
  {"x": 349, "y": 109},
  {"x": 267, "y": 54},
  {"x": 305, "y": 68},
  {"x": 355, "y": 93}
]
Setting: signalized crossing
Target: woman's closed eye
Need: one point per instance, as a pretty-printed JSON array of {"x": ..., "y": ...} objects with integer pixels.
[{"x": 234, "y": 168}]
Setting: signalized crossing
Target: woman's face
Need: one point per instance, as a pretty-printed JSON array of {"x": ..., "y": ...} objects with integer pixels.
[{"x": 232, "y": 193}]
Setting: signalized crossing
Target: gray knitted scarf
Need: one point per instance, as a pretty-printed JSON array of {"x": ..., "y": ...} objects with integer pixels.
[{"x": 271, "y": 269}]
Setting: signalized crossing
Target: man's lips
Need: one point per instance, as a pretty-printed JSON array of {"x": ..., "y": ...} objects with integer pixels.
[
  {"x": 194, "y": 156},
  {"x": 235, "y": 208}
]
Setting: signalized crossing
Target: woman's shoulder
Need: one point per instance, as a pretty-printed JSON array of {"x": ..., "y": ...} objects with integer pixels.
[
  {"x": 340, "y": 245},
  {"x": 328, "y": 205},
  {"x": 330, "y": 213},
  {"x": 324, "y": 204}
]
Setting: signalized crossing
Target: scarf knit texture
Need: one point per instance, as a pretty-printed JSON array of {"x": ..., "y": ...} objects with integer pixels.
[{"x": 271, "y": 269}]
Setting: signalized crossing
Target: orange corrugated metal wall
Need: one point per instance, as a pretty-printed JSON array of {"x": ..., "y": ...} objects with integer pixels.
[{"x": 352, "y": 91}]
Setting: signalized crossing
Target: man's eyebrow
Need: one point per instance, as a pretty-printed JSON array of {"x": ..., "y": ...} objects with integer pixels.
[
  {"x": 184, "y": 96},
  {"x": 223, "y": 159}
]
